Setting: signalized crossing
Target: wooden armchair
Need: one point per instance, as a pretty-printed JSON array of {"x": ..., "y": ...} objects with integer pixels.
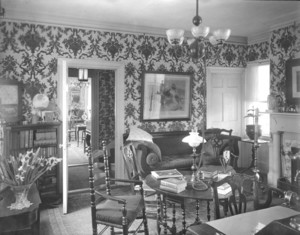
[
  {"x": 133, "y": 172},
  {"x": 217, "y": 141},
  {"x": 234, "y": 200},
  {"x": 115, "y": 211},
  {"x": 276, "y": 196}
]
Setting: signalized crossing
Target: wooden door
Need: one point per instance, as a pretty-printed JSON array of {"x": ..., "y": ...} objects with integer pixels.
[{"x": 224, "y": 89}]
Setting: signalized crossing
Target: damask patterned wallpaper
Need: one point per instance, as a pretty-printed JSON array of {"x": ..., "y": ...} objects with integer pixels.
[
  {"x": 284, "y": 44},
  {"x": 29, "y": 54},
  {"x": 107, "y": 105}
]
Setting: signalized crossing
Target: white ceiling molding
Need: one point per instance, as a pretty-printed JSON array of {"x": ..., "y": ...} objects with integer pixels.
[
  {"x": 245, "y": 18},
  {"x": 112, "y": 27},
  {"x": 258, "y": 38},
  {"x": 286, "y": 23},
  {"x": 265, "y": 36}
]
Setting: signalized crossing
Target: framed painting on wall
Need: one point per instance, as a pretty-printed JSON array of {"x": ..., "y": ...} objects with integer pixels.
[
  {"x": 166, "y": 96},
  {"x": 10, "y": 101},
  {"x": 293, "y": 81}
]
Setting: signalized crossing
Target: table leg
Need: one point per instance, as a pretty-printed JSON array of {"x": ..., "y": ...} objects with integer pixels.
[
  {"x": 158, "y": 213},
  {"x": 35, "y": 228},
  {"x": 173, "y": 230},
  {"x": 165, "y": 216},
  {"x": 197, "y": 220},
  {"x": 77, "y": 135},
  {"x": 208, "y": 211},
  {"x": 183, "y": 219}
]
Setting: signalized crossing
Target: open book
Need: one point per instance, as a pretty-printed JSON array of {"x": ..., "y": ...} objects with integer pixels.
[{"x": 162, "y": 174}]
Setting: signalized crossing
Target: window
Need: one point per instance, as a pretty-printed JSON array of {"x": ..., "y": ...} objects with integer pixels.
[{"x": 257, "y": 89}]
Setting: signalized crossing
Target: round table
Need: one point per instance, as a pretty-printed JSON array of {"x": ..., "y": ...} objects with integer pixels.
[{"x": 179, "y": 198}]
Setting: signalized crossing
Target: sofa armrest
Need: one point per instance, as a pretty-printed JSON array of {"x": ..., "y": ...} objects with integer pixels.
[{"x": 148, "y": 157}]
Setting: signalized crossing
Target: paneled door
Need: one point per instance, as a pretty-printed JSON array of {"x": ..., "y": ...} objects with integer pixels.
[{"x": 224, "y": 102}]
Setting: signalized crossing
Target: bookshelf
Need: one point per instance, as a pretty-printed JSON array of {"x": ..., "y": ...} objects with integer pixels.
[{"x": 22, "y": 138}]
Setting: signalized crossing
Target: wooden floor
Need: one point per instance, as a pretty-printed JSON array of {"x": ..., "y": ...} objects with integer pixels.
[{"x": 78, "y": 175}]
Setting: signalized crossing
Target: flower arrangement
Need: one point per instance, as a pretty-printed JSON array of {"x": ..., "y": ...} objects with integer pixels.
[{"x": 26, "y": 168}]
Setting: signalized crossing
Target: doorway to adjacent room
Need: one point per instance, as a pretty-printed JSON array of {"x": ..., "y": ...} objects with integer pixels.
[{"x": 94, "y": 64}]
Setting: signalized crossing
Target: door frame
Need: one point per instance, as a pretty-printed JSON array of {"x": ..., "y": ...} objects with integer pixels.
[{"x": 119, "y": 68}]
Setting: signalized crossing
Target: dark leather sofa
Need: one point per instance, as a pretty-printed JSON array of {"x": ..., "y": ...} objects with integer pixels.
[{"x": 168, "y": 151}]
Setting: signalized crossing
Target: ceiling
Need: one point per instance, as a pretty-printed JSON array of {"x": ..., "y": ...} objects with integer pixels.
[{"x": 246, "y": 18}]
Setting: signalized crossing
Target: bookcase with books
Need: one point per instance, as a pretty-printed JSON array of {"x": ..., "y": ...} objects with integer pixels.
[{"x": 23, "y": 138}]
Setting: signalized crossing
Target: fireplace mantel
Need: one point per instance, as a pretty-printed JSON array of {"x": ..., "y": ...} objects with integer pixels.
[
  {"x": 286, "y": 122},
  {"x": 280, "y": 124}
]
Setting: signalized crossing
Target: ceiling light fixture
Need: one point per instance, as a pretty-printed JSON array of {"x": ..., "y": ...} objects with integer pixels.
[{"x": 196, "y": 45}]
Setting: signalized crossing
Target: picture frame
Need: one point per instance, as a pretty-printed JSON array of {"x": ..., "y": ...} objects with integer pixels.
[
  {"x": 166, "y": 96},
  {"x": 10, "y": 101},
  {"x": 293, "y": 81}
]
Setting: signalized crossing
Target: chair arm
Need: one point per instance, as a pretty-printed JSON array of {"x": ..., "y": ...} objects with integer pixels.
[
  {"x": 235, "y": 156},
  {"x": 110, "y": 197}
]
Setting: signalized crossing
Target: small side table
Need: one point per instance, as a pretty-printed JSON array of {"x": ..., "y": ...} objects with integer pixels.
[
  {"x": 18, "y": 221},
  {"x": 260, "y": 142},
  {"x": 253, "y": 166}
]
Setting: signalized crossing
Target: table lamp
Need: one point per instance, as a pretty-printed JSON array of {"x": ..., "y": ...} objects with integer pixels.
[{"x": 194, "y": 140}]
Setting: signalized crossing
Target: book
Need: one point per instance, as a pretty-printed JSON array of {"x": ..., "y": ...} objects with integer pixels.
[
  {"x": 174, "y": 190},
  {"x": 172, "y": 173},
  {"x": 173, "y": 182},
  {"x": 209, "y": 174},
  {"x": 224, "y": 189}
]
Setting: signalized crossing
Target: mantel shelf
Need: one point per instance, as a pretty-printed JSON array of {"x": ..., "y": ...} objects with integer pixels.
[{"x": 285, "y": 114}]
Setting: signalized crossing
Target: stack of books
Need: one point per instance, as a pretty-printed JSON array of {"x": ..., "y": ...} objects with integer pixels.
[
  {"x": 175, "y": 185},
  {"x": 224, "y": 189},
  {"x": 163, "y": 174}
]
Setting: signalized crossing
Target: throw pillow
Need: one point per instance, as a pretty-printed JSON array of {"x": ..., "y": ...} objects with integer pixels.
[{"x": 137, "y": 134}]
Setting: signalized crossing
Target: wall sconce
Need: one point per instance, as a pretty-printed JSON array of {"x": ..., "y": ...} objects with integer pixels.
[{"x": 83, "y": 75}]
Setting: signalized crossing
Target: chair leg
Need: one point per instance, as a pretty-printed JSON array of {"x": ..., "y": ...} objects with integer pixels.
[
  {"x": 125, "y": 229},
  {"x": 145, "y": 222}
]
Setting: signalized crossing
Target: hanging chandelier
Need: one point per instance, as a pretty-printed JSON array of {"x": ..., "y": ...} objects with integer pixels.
[{"x": 196, "y": 46}]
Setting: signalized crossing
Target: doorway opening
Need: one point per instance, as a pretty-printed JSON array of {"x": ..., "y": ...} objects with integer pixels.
[
  {"x": 81, "y": 110},
  {"x": 62, "y": 76}
]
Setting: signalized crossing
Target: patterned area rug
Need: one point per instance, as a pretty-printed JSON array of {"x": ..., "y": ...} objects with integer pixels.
[{"x": 78, "y": 220}]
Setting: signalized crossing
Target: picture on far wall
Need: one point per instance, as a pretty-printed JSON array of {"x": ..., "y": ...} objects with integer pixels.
[
  {"x": 166, "y": 96},
  {"x": 293, "y": 81},
  {"x": 10, "y": 101}
]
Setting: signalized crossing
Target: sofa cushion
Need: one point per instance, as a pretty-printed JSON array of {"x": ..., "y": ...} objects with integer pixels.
[
  {"x": 183, "y": 161},
  {"x": 170, "y": 143}
]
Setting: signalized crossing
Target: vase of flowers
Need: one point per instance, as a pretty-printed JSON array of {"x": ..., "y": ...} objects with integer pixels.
[
  {"x": 21, "y": 172},
  {"x": 21, "y": 196}
]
